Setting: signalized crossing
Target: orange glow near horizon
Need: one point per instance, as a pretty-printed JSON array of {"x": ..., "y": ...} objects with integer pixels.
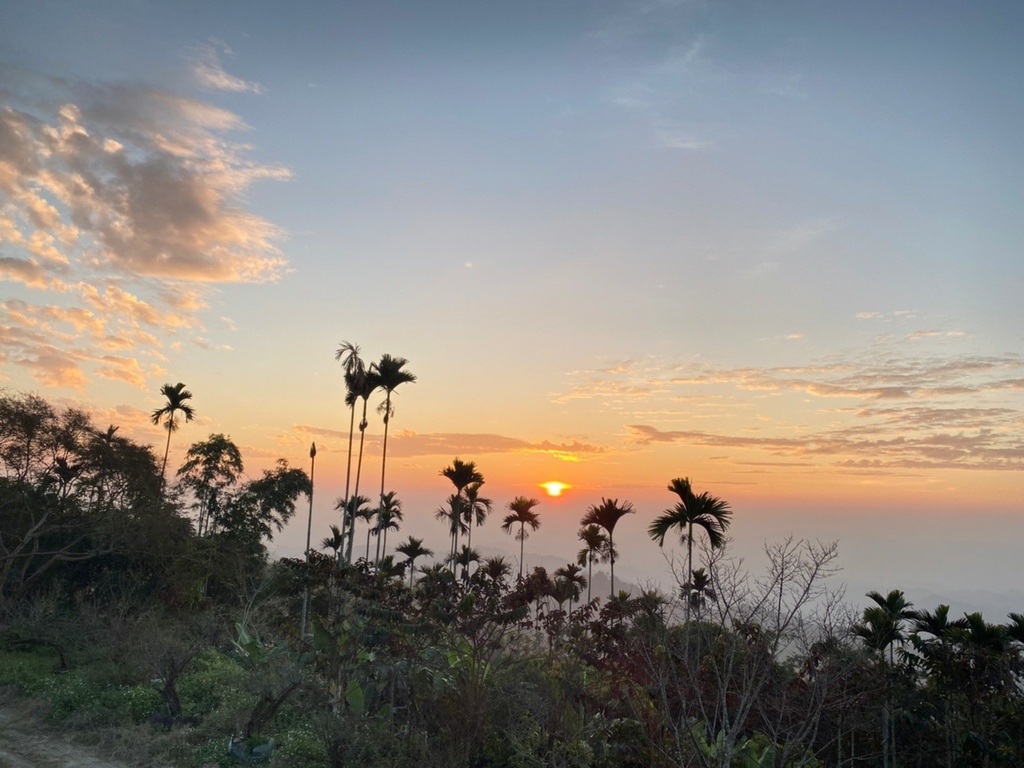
[{"x": 555, "y": 488}]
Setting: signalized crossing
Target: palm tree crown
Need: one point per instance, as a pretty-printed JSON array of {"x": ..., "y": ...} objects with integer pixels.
[
  {"x": 704, "y": 511},
  {"x": 521, "y": 513},
  {"x": 413, "y": 549},
  {"x": 354, "y": 369},
  {"x": 177, "y": 397},
  {"x": 388, "y": 375},
  {"x": 476, "y": 508},
  {"x": 595, "y": 550},
  {"x": 606, "y": 515}
]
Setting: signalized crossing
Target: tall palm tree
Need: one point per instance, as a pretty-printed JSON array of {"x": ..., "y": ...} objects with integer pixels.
[
  {"x": 883, "y": 628},
  {"x": 456, "y": 525},
  {"x": 413, "y": 549},
  {"x": 354, "y": 370},
  {"x": 476, "y": 508},
  {"x": 177, "y": 402},
  {"x": 389, "y": 516},
  {"x": 705, "y": 511},
  {"x": 389, "y": 376},
  {"x": 606, "y": 515},
  {"x": 359, "y": 388},
  {"x": 462, "y": 474},
  {"x": 595, "y": 550},
  {"x": 521, "y": 513},
  {"x": 356, "y": 508}
]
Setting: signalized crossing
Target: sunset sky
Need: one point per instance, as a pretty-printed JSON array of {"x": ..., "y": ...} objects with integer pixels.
[{"x": 775, "y": 247}]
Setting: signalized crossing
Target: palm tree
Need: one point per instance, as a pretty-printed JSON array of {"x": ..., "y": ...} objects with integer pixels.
[
  {"x": 606, "y": 515},
  {"x": 354, "y": 370},
  {"x": 389, "y": 376},
  {"x": 335, "y": 542},
  {"x": 466, "y": 557},
  {"x": 476, "y": 508},
  {"x": 496, "y": 569},
  {"x": 177, "y": 397},
  {"x": 356, "y": 508},
  {"x": 462, "y": 474},
  {"x": 705, "y": 511},
  {"x": 699, "y": 591},
  {"x": 389, "y": 515},
  {"x": 453, "y": 514},
  {"x": 595, "y": 550},
  {"x": 413, "y": 549},
  {"x": 572, "y": 574},
  {"x": 521, "y": 512},
  {"x": 882, "y": 627},
  {"x": 359, "y": 388}
]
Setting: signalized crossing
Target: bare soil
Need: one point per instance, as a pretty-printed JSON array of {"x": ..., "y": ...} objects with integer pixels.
[{"x": 27, "y": 741}]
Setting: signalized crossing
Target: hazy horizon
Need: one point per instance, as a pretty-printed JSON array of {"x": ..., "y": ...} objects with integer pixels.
[{"x": 775, "y": 248}]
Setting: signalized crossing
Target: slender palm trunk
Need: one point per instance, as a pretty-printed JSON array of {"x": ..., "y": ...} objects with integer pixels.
[
  {"x": 590, "y": 574},
  {"x": 611, "y": 552},
  {"x": 384, "y": 451},
  {"x": 348, "y": 477},
  {"x": 167, "y": 450},
  {"x": 355, "y": 491},
  {"x": 522, "y": 542},
  {"x": 351, "y": 434},
  {"x": 689, "y": 571},
  {"x": 368, "y": 531}
]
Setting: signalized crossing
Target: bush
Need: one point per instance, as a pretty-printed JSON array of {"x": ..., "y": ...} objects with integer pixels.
[{"x": 27, "y": 671}]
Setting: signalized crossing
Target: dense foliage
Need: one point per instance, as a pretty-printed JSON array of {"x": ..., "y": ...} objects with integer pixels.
[{"x": 127, "y": 604}]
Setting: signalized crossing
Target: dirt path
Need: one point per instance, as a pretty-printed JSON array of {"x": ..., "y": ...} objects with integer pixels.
[{"x": 27, "y": 742}]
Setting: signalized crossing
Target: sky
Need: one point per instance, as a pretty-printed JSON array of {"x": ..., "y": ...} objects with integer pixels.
[{"x": 774, "y": 247}]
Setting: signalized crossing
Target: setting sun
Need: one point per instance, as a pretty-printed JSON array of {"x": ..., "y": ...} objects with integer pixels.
[{"x": 554, "y": 488}]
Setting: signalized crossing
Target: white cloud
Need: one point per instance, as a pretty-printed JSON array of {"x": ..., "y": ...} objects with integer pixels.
[
  {"x": 209, "y": 72},
  {"x": 119, "y": 207}
]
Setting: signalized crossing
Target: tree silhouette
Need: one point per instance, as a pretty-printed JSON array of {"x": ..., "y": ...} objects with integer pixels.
[
  {"x": 456, "y": 525},
  {"x": 572, "y": 574},
  {"x": 335, "y": 542},
  {"x": 356, "y": 508},
  {"x": 462, "y": 474},
  {"x": 705, "y": 511},
  {"x": 177, "y": 398},
  {"x": 389, "y": 515},
  {"x": 521, "y": 513},
  {"x": 354, "y": 372},
  {"x": 476, "y": 508},
  {"x": 210, "y": 467},
  {"x": 389, "y": 376},
  {"x": 606, "y": 515},
  {"x": 413, "y": 549},
  {"x": 595, "y": 550},
  {"x": 359, "y": 388},
  {"x": 883, "y": 628}
]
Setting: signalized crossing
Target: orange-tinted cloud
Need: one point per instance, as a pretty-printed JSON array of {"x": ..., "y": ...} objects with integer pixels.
[
  {"x": 119, "y": 205},
  {"x": 408, "y": 444}
]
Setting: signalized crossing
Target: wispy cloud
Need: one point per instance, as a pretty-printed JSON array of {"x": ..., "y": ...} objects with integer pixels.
[
  {"x": 900, "y": 412},
  {"x": 209, "y": 72},
  {"x": 120, "y": 207},
  {"x": 408, "y": 444}
]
